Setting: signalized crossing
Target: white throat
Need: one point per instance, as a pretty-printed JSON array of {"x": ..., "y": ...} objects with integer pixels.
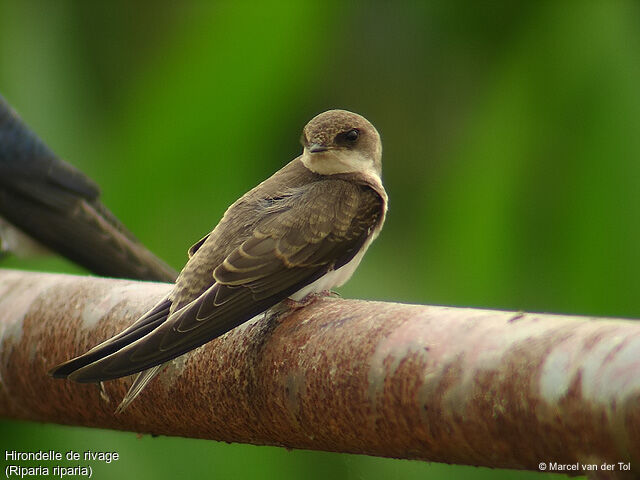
[{"x": 332, "y": 162}]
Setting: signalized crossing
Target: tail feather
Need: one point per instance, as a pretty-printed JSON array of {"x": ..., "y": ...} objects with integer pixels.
[
  {"x": 148, "y": 322},
  {"x": 142, "y": 380}
]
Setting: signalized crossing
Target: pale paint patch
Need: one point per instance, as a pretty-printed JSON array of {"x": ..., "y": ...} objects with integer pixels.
[
  {"x": 605, "y": 371},
  {"x": 608, "y": 369},
  {"x": 16, "y": 299},
  {"x": 391, "y": 351},
  {"x": 94, "y": 312}
]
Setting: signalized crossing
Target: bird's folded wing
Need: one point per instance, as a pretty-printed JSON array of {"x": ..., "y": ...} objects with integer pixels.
[{"x": 318, "y": 231}]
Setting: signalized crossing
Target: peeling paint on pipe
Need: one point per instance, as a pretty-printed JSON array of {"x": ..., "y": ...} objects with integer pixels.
[{"x": 454, "y": 385}]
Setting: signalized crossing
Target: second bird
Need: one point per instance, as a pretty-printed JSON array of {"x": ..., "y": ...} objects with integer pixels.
[
  {"x": 48, "y": 205},
  {"x": 301, "y": 232}
]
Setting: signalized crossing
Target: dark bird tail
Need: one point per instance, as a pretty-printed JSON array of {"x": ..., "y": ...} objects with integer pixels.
[{"x": 148, "y": 322}]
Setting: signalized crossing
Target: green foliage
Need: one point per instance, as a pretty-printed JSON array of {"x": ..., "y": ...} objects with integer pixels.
[{"x": 511, "y": 155}]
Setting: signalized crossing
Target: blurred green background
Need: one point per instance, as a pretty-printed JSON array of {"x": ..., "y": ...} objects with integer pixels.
[{"x": 512, "y": 156}]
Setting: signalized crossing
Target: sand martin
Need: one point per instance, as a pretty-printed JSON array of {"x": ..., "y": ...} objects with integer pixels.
[
  {"x": 48, "y": 205},
  {"x": 302, "y": 231}
]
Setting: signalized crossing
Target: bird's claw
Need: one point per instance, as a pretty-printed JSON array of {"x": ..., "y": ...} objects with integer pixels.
[{"x": 308, "y": 299}]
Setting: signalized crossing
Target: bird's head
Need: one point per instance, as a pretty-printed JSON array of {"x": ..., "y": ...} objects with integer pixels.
[{"x": 338, "y": 141}]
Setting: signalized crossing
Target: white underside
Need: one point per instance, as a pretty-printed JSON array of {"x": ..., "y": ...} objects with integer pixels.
[
  {"x": 328, "y": 163},
  {"x": 334, "y": 278},
  {"x": 14, "y": 240}
]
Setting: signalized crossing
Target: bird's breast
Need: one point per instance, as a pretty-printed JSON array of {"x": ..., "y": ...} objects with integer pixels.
[{"x": 334, "y": 278}]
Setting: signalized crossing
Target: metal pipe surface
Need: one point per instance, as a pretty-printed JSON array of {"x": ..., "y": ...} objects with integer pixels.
[{"x": 454, "y": 385}]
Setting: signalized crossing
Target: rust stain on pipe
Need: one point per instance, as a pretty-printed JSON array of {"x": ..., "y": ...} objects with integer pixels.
[{"x": 477, "y": 387}]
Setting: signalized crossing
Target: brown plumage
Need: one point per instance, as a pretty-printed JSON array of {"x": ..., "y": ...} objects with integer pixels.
[{"x": 298, "y": 232}]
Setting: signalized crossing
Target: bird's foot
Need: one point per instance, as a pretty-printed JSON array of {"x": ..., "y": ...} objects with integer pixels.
[{"x": 309, "y": 299}]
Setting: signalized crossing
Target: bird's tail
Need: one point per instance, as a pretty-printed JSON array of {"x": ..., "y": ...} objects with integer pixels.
[
  {"x": 141, "y": 381},
  {"x": 80, "y": 368}
]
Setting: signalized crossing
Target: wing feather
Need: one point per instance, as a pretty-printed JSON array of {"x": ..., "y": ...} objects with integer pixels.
[{"x": 147, "y": 323}]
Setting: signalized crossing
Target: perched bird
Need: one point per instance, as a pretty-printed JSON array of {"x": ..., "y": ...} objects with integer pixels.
[
  {"x": 48, "y": 205},
  {"x": 301, "y": 232}
]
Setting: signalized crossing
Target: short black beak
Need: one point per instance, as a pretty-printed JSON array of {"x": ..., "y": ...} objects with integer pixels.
[{"x": 316, "y": 147}]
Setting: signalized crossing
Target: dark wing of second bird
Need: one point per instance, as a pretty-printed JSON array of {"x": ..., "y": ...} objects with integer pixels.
[
  {"x": 59, "y": 206},
  {"x": 291, "y": 246}
]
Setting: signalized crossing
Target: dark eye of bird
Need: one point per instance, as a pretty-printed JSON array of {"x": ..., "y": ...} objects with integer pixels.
[
  {"x": 348, "y": 138},
  {"x": 352, "y": 135}
]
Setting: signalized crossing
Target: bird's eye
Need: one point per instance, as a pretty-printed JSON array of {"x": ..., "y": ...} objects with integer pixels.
[
  {"x": 347, "y": 138},
  {"x": 352, "y": 135}
]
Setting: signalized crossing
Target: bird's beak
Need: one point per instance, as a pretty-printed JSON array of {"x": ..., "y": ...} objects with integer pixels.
[{"x": 316, "y": 148}]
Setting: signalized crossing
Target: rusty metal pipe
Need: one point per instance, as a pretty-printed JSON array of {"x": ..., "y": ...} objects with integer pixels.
[{"x": 454, "y": 385}]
